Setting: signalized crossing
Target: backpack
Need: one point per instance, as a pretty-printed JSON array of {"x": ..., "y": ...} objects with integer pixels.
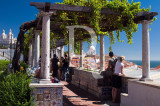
[
  {"x": 66, "y": 62},
  {"x": 113, "y": 67},
  {"x": 115, "y": 60}
]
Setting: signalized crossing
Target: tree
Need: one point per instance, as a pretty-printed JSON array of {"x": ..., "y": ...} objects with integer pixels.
[
  {"x": 20, "y": 44},
  {"x": 27, "y": 39}
]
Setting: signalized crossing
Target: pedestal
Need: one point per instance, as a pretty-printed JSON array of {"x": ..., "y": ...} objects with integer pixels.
[{"x": 48, "y": 94}]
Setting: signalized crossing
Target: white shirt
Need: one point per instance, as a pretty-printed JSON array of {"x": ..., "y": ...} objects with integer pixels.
[{"x": 118, "y": 67}]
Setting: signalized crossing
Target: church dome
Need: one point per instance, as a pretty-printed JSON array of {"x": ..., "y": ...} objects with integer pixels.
[
  {"x": 3, "y": 36},
  {"x": 10, "y": 35}
]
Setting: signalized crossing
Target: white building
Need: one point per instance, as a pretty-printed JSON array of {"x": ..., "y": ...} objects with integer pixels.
[{"x": 7, "y": 40}]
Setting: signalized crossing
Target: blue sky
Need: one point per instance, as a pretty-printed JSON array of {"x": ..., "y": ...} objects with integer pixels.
[{"x": 15, "y": 12}]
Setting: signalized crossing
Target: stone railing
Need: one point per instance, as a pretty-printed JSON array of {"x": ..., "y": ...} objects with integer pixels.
[
  {"x": 5, "y": 55},
  {"x": 97, "y": 86},
  {"x": 124, "y": 87},
  {"x": 141, "y": 93},
  {"x": 91, "y": 82},
  {"x": 132, "y": 93}
]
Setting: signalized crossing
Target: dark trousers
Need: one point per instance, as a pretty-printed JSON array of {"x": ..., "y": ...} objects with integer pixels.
[{"x": 55, "y": 72}]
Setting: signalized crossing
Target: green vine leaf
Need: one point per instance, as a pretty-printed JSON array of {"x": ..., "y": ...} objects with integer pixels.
[{"x": 123, "y": 22}]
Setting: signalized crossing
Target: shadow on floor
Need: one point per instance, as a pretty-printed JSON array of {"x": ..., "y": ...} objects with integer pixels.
[
  {"x": 84, "y": 96},
  {"x": 66, "y": 102}
]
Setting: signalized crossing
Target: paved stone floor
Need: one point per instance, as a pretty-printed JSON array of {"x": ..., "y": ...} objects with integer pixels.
[{"x": 74, "y": 96}]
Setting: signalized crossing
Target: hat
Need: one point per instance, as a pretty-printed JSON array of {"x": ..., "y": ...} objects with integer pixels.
[{"x": 123, "y": 57}]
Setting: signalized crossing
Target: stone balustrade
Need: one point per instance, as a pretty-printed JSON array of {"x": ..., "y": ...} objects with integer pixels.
[
  {"x": 141, "y": 93},
  {"x": 87, "y": 81}
]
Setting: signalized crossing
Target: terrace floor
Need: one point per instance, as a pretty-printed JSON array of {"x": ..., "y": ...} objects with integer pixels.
[{"x": 74, "y": 96}]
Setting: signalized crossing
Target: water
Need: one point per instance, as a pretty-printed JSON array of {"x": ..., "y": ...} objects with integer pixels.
[{"x": 153, "y": 64}]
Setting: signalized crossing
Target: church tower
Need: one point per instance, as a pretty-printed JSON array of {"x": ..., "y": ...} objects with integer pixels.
[
  {"x": 10, "y": 37},
  {"x": 3, "y": 36},
  {"x": 7, "y": 40}
]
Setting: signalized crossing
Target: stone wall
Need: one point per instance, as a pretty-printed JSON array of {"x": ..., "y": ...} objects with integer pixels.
[
  {"x": 89, "y": 82},
  {"x": 7, "y": 53},
  {"x": 141, "y": 94},
  {"x": 124, "y": 87}
]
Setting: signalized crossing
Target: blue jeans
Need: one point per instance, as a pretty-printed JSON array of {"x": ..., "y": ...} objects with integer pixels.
[{"x": 65, "y": 71}]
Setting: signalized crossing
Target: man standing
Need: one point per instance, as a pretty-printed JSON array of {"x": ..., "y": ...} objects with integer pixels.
[
  {"x": 55, "y": 61},
  {"x": 112, "y": 62},
  {"x": 65, "y": 65}
]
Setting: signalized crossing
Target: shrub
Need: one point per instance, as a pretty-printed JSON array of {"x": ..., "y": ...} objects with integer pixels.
[
  {"x": 3, "y": 65},
  {"x": 15, "y": 90},
  {"x": 3, "y": 47}
]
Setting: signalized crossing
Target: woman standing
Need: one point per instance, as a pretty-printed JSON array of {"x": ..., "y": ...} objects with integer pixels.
[
  {"x": 116, "y": 78},
  {"x": 61, "y": 76}
]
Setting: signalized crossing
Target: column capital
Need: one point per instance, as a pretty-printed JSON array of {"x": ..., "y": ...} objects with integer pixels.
[
  {"x": 42, "y": 13},
  {"x": 102, "y": 35},
  {"x": 146, "y": 21}
]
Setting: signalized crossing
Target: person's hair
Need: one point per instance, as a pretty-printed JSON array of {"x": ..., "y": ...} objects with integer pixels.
[
  {"x": 121, "y": 58},
  {"x": 111, "y": 54},
  {"x": 54, "y": 55},
  {"x": 65, "y": 55}
]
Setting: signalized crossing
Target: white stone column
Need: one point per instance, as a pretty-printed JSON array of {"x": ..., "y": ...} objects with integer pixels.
[
  {"x": 30, "y": 55},
  {"x": 71, "y": 45},
  {"x": 102, "y": 55},
  {"x": 33, "y": 46},
  {"x": 69, "y": 55},
  {"x": 58, "y": 52},
  {"x": 45, "y": 53},
  {"x": 81, "y": 54},
  {"x": 52, "y": 53},
  {"x": 37, "y": 47},
  {"x": 145, "y": 51},
  {"x": 62, "y": 51},
  {"x": 55, "y": 51}
]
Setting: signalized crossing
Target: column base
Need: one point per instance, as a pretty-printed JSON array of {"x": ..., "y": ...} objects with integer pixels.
[
  {"x": 145, "y": 79},
  {"x": 44, "y": 81},
  {"x": 81, "y": 68}
]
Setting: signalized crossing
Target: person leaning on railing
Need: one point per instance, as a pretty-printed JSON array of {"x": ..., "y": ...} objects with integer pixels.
[
  {"x": 116, "y": 78},
  {"x": 110, "y": 70}
]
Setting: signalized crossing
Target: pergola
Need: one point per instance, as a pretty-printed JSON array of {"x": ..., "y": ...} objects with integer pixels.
[{"x": 46, "y": 22}]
